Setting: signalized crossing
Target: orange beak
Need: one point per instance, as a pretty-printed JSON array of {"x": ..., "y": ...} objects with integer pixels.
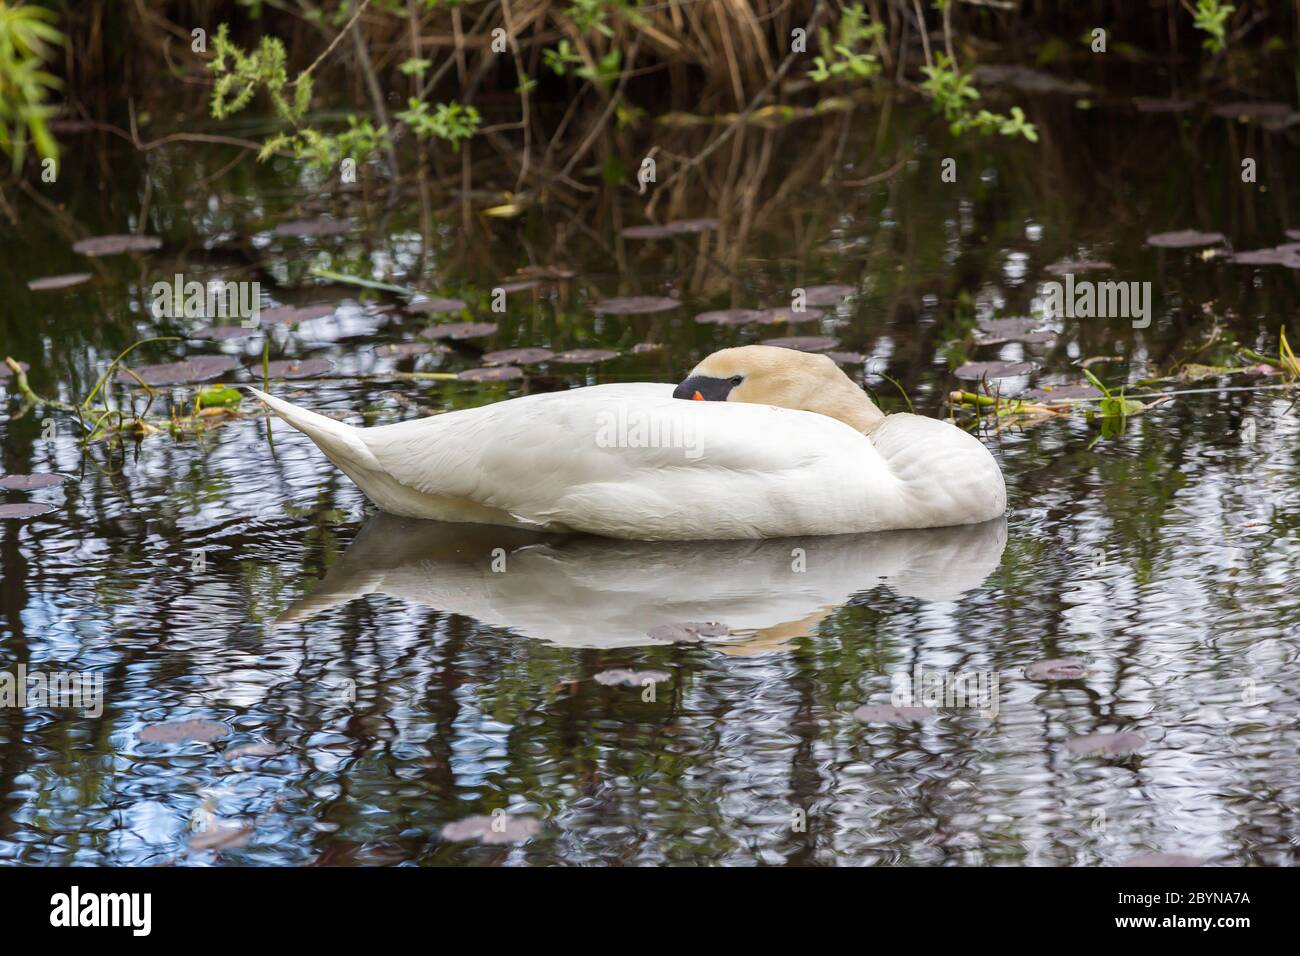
[{"x": 697, "y": 397}]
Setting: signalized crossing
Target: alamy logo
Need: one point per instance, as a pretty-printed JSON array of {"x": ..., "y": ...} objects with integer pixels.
[
  {"x": 931, "y": 688},
  {"x": 24, "y": 688},
  {"x": 179, "y": 299},
  {"x": 74, "y": 909},
  {"x": 632, "y": 427},
  {"x": 1099, "y": 300}
]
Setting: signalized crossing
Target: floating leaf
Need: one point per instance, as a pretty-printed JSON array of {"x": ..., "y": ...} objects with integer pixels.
[
  {"x": 730, "y": 317},
  {"x": 974, "y": 371},
  {"x": 689, "y": 631},
  {"x": 437, "y": 306},
  {"x": 827, "y": 295},
  {"x": 518, "y": 285},
  {"x": 51, "y": 283},
  {"x": 204, "y": 731},
  {"x": 116, "y": 245},
  {"x": 31, "y": 482},
  {"x": 1147, "y": 104},
  {"x": 294, "y": 314},
  {"x": 254, "y": 750},
  {"x": 1076, "y": 266},
  {"x": 1163, "y": 859},
  {"x": 311, "y": 228},
  {"x": 643, "y": 348},
  {"x": 499, "y": 828},
  {"x": 1107, "y": 744},
  {"x": 295, "y": 368},
  {"x": 847, "y": 358},
  {"x": 1287, "y": 255},
  {"x": 777, "y": 316},
  {"x": 1244, "y": 112},
  {"x": 631, "y": 678},
  {"x": 679, "y": 227},
  {"x": 803, "y": 343},
  {"x": 28, "y": 509},
  {"x": 1000, "y": 331},
  {"x": 221, "y": 838},
  {"x": 200, "y": 368},
  {"x": 585, "y": 356},
  {"x": 524, "y": 356},
  {"x": 496, "y": 373},
  {"x": 889, "y": 714},
  {"x": 460, "y": 330},
  {"x": 403, "y": 350},
  {"x": 635, "y": 305},
  {"x": 1062, "y": 668},
  {"x": 6, "y": 371},
  {"x": 224, "y": 333},
  {"x": 219, "y": 396},
  {"x": 1027, "y": 79},
  {"x": 505, "y": 211},
  {"x": 1061, "y": 393},
  {"x": 1184, "y": 239}
]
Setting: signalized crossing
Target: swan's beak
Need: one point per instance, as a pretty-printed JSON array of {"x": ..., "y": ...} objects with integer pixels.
[{"x": 704, "y": 388}]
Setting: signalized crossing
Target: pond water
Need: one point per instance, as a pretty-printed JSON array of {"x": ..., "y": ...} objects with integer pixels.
[{"x": 350, "y": 683}]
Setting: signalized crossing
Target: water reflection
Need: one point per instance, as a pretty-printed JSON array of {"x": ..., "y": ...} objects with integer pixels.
[{"x": 595, "y": 592}]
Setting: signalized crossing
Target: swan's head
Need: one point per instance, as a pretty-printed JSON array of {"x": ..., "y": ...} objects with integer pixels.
[{"x": 765, "y": 375}]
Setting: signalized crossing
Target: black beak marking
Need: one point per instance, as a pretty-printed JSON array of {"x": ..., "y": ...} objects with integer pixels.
[{"x": 712, "y": 389}]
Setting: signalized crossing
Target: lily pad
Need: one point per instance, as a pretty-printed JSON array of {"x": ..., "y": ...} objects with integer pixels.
[
  {"x": 496, "y": 373},
  {"x": 1076, "y": 266},
  {"x": 730, "y": 317},
  {"x": 518, "y": 285},
  {"x": 1027, "y": 79},
  {"x": 26, "y": 509},
  {"x": 176, "y": 731},
  {"x": 1148, "y": 104},
  {"x": 1062, "y": 668},
  {"x": 847, "y": 358},
  {"x": 200, "y": 368},
  {"x": 460, "y": 330},
  {"x": 631, "y": 678},
  {"x": 295, "y": 368},
  {"x": 678, "y": 227},
  {"x": 585, "y": 356},
  {"x": 403, "y": 350},
  {"x": 777, "y": 316},
  {"x": 294, "y": 314},
  {"x": 51, "y": 283},
  {"x": 221, "y": 838},
  {"x": 31, "y": 482},
  {"x": 224, "y": 333},
  {"x": 496, "y": 829},
  {"x": 635, "y": 305},
  {"x": 689, "y": 631},
  {"x": 523, "y": 356},
  {"x": 437, "y": 306},
  {"x": 311, "y": 228},
  {"x": 1000, "y": 331},
  {"x": 803, "y": 343},
  {"x": 1184, "y": 239},
  {"x": 1247, "y": 110},
  {"x": 1286, "y": 255},
  {"x": 251, "y": 751},
  {"x": 974, "y": 371},
  {"x": 116, "y": 245},
  {"x": 6, "y": 371},
  {"x": 1106, "y": 744},
  {"x": 827, "y": 295},
  {"x": 889, "y": 714},
  {"x": 644, "y": 348},
  {"x": 1163, "y": 859}
]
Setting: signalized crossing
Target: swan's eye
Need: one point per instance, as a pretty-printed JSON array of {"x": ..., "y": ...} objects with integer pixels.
[{"x": 736, "y": 380}]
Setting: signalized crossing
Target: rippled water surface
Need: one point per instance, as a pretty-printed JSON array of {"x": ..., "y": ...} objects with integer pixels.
[{"x": 358, "y": 682}]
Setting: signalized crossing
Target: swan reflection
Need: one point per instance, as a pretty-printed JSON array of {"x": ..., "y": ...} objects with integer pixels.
[{"x": 580, "y": 591}]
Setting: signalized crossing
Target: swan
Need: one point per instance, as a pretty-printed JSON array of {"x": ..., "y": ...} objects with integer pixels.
[
  {"x": 756, "y": 442},
  {"x": 767, "y": 593}
]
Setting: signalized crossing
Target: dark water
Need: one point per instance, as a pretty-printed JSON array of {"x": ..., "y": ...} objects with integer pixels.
[{"x": 397, "y": 683}]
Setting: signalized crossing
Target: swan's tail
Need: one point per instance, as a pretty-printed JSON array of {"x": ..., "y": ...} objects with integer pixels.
[{"x": 340, "y": 442}]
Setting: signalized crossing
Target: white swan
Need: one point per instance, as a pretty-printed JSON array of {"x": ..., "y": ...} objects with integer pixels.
[
  {"x": 777, "y": 443},
  {"x": 596, "y": 592}
]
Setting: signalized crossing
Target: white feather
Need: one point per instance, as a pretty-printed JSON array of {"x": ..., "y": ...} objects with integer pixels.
[{"x": 574, "y": 460}]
